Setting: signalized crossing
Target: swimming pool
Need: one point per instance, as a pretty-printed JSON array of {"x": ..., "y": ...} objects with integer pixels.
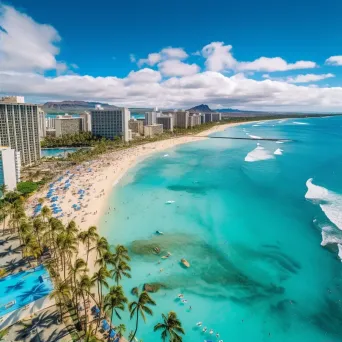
[
  {"x": 23, "y": 288},
  {"x": 58, "y": 152}
]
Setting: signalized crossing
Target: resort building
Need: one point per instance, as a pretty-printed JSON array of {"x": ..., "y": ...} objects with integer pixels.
[
  {"x": 216, "y": 117},
  {"x": 111, "y": 123},
  {"x": 136, "y": 126},
  {"x": 181, "y": 119},
  {"x": 86, "y": 121},
  {"x": 150, "y": 118},
  {"x": 9, "y": 167},
  {"x": 67, "y": 124},
  {"x": 50, "y": 122},
  {"x": 13, "y": 99},
  {"x": 194, "y": 120},
  {"x": 19, "y": 129},
  {"x": 151, "y": 130},
  {"x": 166, "y": 121},
  {"x": 42, "y": 123},
  {"x": 208, "y": 117}
]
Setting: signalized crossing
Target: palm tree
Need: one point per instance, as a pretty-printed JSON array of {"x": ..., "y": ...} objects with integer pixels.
[
  {"x": 121, "y": 254},
  {"x": 61, "y": 292},
  {"x": 3, "y": 189},
  {"x": 121, "y": 329},
  {"x": 140, "y": 306},
  {"x": 46, "y": 212},
  {"x": 71, "y": 228},
  {"x": 105, "y": 259},
  {"x": 84, "y": 286},
  {"x": 39, "y": 228},
  {"x": 4, "y": 214},
  {"x": 171, "y": 327},
  {"x": 121, "y": 269},
  {"x": 90, "y": 336},
  {"x": 67, "y": 245},
  {"x": 31, "y": 248},
  {"x": 100, "y": 278},
  {"x": 101, "y": 246},
  {"x": 88, "y": 237}
]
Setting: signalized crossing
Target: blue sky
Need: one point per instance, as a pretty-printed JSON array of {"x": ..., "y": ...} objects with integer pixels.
[{"x": 246, "y": 54}]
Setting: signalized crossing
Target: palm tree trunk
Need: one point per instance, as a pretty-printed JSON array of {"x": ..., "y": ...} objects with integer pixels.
[
  {"x": 85, "y": 312},
  {"x": 88, "y": 246},
  {"x": 136, "y": 327}
]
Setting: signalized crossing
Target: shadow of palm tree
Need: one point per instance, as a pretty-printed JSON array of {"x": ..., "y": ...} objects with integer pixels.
[
  {"x": 58, "y": 334},
  {"x": 17, "y": 286},
  {"x": 36, "y": 292},
  {"x": 8, "y": 239},
  {"x": 13, "y": 264},
  {"x": 9, "y": 251},
  {"x": 42, "y": 321}
]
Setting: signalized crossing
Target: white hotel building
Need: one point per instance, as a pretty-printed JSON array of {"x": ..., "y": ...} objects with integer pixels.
[{"x": 19, "y": 129}]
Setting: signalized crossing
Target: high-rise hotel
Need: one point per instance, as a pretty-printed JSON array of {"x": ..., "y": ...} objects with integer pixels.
[
  {"x": 19, "y": 128},
  {"x": 111, "y": 123}
]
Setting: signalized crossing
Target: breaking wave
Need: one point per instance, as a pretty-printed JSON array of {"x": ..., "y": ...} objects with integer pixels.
[
  {"x": 329, "y": 201},
  {"x": 278, "y": 152},
  {"x": 300, "y": 123},
  {"x": 259, "y": 153}
]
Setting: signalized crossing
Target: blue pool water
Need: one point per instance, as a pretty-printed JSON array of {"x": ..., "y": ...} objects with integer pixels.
[
  {"x": 24, "y": 287},
  {"x": 58, "y": 152},
  {"x": 260, "y": 225}
]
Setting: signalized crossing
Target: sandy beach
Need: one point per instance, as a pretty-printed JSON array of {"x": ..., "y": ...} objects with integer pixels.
[{"x": 84, "y": 189}]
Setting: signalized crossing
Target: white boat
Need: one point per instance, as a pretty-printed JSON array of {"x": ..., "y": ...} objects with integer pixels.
[
  {"x": 211, "y": 331},
  {"x": 199, "y": 324},
  {"x": 169, "y": 202},
  {"x": 158, "y": 232}
]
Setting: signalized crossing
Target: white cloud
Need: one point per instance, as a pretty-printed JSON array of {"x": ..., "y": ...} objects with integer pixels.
[
  {"x": 145, "y": 75},
  {"x": 165, "y": 54},
  {"x": 132, "y": 58},
  {"x": 152, "y": 59},
  {"x": 175, "y": 67},
  {"x": 308, "y": 78},
  {"x": 171, "y": 52},
  {"x": 28, "y": 48},
  {"x": 218, "y": 56},
  {"x": 274, "y": 64},
  {"x": 334, "y": 60},
  {"x": 26, "y": 45}
]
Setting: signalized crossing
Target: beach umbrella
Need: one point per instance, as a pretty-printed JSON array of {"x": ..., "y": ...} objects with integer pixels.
[
  {"x": 105, "y": 325},
  {"x": 112, "y": 333}
]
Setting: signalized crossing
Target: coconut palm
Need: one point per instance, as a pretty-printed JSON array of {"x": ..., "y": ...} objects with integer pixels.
[
  {"x": 3, "y": 189},
  {"x": 115, "y": 300},
  {"x": 31, "y": 248},
  {"x": 67, "y": 245},
  {"x": 171, "y": 328},
  {"x": 106, "y": 259},
  {"x": 61, "y": 292},
  {"x": 121, "y": 254},
  {"x": 84, "y": 285},
  {"x": 87, "y": 237},
  {"x": 121, "y": 329},
  {"x": 46, "y": 212},
  {"x": 101, "y": 246},
  {"x": 121, "y": 269},
  {"x": 100, "y": 278},
  {"x": 39, "y": 227},
  {"x": 90, "y": 336},
  {"x": 141, "y": 306},
  {"x": 71, "y": 228}
]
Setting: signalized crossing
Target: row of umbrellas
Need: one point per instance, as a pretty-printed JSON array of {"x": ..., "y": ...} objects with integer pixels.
[{"x": 104, "y": 324}]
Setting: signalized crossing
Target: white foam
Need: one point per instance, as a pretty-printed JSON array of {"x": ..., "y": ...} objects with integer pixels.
[
  {"x": 166, "y": 155},
  {"x": 278, "y": 152},
  {"x": 300, "y": 123},
  {"x": 329, "y": 201},
  {"x": 254, "y": 136},
  {"x": 259, "y": 153},
  {"x": 329, "y": 237},
  {"x": 279, "y": 142},
  {"x": 339, "y": 251},
  {"x": 256, "y": 125}
]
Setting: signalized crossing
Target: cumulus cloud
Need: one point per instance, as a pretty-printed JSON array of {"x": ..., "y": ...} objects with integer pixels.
[
  {"x": 25, "y": 44},
  {"x": 28, "y": 48},
  {"x": 274, "y": 64},
  {"x": 334, "y": 60},
  {"x": 175, "y": 67},
  {"x": 164, "y": 54},
  {"x": 309, "y": 78},
  {"x": 218, "y": 56}
]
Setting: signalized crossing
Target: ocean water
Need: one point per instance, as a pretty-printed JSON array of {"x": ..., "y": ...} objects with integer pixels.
[{"x": 260, "y": 223}]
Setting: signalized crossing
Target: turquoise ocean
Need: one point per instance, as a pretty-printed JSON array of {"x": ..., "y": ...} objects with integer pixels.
[{"x": 260, "y": 222}]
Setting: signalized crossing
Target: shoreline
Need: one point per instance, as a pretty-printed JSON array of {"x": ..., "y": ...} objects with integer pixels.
[{"x": 98, "y": 179}]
